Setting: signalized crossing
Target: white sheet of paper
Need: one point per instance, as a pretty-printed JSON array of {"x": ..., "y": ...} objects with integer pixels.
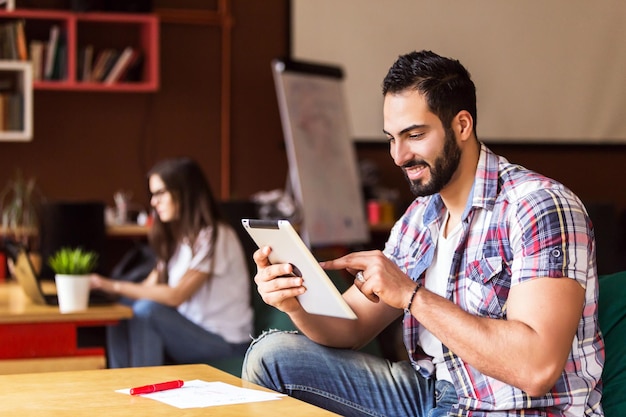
[{"x": 199, "y": 394}]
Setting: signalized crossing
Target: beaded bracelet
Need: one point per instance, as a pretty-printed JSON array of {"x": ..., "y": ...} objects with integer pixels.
[{"x": 407, "y": 310}]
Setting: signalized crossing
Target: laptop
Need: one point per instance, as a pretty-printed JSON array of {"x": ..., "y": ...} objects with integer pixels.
[{"x": 26, "y": 277}]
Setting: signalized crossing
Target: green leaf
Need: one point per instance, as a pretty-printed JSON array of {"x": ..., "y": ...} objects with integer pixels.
[{"x": 73, "y": 261}]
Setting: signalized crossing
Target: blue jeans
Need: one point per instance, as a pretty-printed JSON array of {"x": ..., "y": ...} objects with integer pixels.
[
  {"x": 343, "y": 381},
  {"x": 157, "y": 331}
]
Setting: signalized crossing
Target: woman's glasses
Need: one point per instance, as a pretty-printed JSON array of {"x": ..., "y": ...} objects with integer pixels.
[{"x": 158, "y": 193}]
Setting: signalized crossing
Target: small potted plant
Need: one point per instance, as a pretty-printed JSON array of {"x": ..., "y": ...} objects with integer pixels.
[
  {"x": 72, "y": 267},
  {"x": 19, "y": 200}
]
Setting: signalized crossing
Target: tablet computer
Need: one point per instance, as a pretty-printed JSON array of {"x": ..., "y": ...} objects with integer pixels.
[{"x": 321, "y": 296}]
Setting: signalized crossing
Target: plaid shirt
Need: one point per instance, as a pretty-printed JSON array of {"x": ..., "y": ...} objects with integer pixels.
[{"x": 517, "y": 226}]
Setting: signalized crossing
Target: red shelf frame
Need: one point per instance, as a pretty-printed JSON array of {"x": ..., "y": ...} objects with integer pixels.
[{"x": 69, "y": 21}]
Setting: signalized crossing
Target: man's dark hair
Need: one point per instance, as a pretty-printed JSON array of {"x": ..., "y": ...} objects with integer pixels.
[{"x": 444, "y": 82}]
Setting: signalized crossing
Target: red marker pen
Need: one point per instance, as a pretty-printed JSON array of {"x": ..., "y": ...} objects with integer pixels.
[{"x": 161, "y": 386}]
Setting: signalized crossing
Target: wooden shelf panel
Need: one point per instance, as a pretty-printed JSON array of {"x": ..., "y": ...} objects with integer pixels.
[{"x": 96, "y": 87}]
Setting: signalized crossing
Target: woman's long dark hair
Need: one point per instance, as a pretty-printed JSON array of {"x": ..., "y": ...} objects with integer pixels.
[{"x": 197, "y": 208}]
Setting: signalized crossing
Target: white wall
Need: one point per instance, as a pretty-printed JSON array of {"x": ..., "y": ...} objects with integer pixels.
[{"x": 545, "y": 70}]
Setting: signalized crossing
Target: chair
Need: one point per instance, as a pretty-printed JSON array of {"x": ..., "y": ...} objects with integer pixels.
[
  {"x": 612, "y": 318},
  {"x": 265, "y": 317}
]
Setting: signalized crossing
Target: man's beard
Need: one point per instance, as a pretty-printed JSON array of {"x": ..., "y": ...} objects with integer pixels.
[{"x": 446, "y": 165}]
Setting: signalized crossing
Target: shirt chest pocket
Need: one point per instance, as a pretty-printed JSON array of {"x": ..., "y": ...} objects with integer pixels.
[{"x": 486, "y": 288}]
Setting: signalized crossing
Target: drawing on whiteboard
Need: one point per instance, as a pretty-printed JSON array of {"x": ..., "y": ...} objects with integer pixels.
[{"x": 322, "y": 160}]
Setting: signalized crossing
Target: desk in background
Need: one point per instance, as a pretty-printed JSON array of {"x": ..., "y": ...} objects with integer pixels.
[
  {"x": 92, "y": 393},
  {"x": 38, "y": 338},
  {"x": 127, "y": 231}
]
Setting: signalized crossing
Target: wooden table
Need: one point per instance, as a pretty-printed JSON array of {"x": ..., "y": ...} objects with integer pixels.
[
  {"x": 39, "y": 338},
  {"x": 92, "y": 393}
]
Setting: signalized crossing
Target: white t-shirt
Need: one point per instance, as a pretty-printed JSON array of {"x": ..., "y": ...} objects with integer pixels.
[
  {"x": 222, "y": 304},
  {"x": 437, "y": 281}
]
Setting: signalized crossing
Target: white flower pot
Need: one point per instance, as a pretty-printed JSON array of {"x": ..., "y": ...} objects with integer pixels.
[{"x": 73, "y": 292}]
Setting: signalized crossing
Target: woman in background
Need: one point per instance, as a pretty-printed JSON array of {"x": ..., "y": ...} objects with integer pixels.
[{"x": 194, "y": 306}]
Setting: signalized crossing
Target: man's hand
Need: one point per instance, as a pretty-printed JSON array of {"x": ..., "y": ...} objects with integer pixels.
[
  {"x": 382, "y": 279},
  {"x": 276, "y": 284}
]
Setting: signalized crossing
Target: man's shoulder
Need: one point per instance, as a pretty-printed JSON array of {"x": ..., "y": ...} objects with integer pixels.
[
  {"x": 517, "y": 182},
  {"x": 510, "y": 174},
  {"x": 499, "y": 181}
]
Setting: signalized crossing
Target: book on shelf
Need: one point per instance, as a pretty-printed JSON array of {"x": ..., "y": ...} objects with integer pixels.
[
  {"x": 7, "y": 82},
  {"x": 20, "y": 40},
  {"x": 103, "y": 63},
  {"x": 134, "y": 72},
  {"x": 51, "y": 52},
  {"x": 11, "y": 112},
  {"x": 8, "y": 41},
  {"x": 109, "y": 64},
  {"x": 60, "y": 59},
  {"x": 99, "y": 63},
  {"x": 13, "y": 41},
  {"x": 36, "y": 51},
  {"x": 8, "y": 88},
  {"x": 121, "y": 65},
  {"x": 16, "y": 112}
]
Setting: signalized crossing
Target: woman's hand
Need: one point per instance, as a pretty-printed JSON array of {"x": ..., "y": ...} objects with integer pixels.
[{"x": 98, "y": 282}]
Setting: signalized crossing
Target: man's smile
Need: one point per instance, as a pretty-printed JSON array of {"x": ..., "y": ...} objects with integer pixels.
[{"x": 415, "y": 171}]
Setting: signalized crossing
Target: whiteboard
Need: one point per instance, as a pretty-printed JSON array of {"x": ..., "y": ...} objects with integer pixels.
[{"x": 322, "y": 161}]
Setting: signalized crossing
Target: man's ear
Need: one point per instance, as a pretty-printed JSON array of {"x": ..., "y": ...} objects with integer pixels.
[{"x": 464, "y": 125}]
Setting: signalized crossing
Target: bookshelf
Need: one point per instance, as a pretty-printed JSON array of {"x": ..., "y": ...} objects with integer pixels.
[
  {"x": 16, "y": 101},
  {"x": 76, "y": 31}
]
